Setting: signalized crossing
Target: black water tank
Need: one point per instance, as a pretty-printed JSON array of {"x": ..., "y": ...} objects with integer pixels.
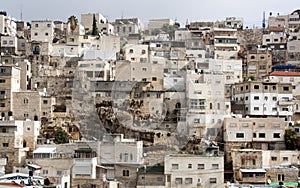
[{"x": 10, "y": 113}]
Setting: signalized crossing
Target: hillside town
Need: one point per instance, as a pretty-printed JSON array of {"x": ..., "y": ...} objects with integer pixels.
[{"x": 95, "y": 103}]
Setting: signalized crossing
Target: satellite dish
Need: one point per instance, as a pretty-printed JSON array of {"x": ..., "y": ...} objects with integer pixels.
[{"x": 269, "y": 181}]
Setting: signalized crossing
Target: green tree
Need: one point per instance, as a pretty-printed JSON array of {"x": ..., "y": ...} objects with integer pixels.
[
  {"x": 170, "y": 29},
  {"x": 73, "y": 22},
  {"x": 60, "y": 136},
  {"x": 95, "y": 29},
  {"x": 290, "y": 138}
]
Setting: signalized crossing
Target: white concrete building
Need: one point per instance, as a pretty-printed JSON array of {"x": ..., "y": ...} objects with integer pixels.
[
  {"x": 225, "y": 43},
  {"x": 264, "y": 99},
  {"x": 42, "y": 31},
  {"x": 7, "y": 25}
]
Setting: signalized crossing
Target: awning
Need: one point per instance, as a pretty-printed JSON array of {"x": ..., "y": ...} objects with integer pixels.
[
  {"x": 255, "y": 170},
  {"x": 36, "y": 167}
]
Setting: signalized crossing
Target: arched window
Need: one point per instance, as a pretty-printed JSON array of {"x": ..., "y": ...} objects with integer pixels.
[{"x": 25, "y": 101}]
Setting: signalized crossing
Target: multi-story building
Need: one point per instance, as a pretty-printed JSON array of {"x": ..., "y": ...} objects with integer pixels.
[
  {"x": 12, "y": 141},
  {"x": 94, "y": 70},
  {"x": 42, "y": 31},
  {"x": 251, "y": 166},
  {"x": 194, "y": 171},
  {"x": 9, "y": 83},
  {"x": 126, "y": 26},
  {"x": 258, "y": 64},
  {"x": 26, "y": 105},
  {"x": 259, "y": 133},
  {"x": 261, "y": 99},
  {"x": 124, "y": 155},
  {"x": 225, "y": 43},
  {"x": 7, "y": 25}
]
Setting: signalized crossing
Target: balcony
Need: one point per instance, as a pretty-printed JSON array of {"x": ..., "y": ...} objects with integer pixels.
[{"x": 285, "y": 102}]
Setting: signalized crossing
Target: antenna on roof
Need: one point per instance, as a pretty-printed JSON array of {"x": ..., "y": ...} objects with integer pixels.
[
  {"x": 264, "y": 21},
  {"x": 122, "y": 15},
  {"x": 21, "y": 12}
]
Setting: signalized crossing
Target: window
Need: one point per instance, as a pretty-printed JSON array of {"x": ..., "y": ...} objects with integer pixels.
[
  {"x": 143, "y": 51},
  {"x": 189, "y": 165},
  {"x": 256, "y": 86},
  {"x": 46, "y": 34},
  {"x": 2, "y": 70},
  {"x": 5, "y": 145},
  {"x": 212, "y": 180},
  {"x": 286, "y": 88},
  {"x": 2, "y": 104},
  {"x": 261, "y": 124},
  {"x": 125, "y": 172},
  {"x": 274, "y": 98},
  {"x": 144, "y": 79},
  {"x": 256, "y": 97},
  {"x": 197, "y": 104},
  {"x": 261, "y": 135},
  {"x": 254, "y": 135},
  {"x": 276, "y": 135},
  {"x": 256, "y": 108},
  {"x": 154, "y": 79},
  {"x": 2, "y": 81},
  {"x": 239, "y": 135},
  {"x": 144, "y": 69},
  {"x": 25, "y": 101},
  {"x": 35, "y": 34},
  {"x": 274, "y": 158},
  {"x": 245, "y": 124},
  {"x": 201, "y": 166},
  {"x": 5, "y": 42},
  {"x": 45, "y": 101},
  {"x": 232, "y": 124},
  {"x": 48, "y": 25},
  {"x": 36, "y": 25},
  {"x": 131, "y": 51},
  {"x": 45, "y": 171},
  {"x": 280, "y": 177},
  {"x": 215, "y": 166},
  {"x": 178, "y": 180},
  {"x": 188, "y": 180},
  {"x": 159, "y": 179},
  {"x": 175, "y": 166},
  {"x": 285, "y": 158},
  {"x": 252, "y": 57},
  {"x": 276, "y": 124}
]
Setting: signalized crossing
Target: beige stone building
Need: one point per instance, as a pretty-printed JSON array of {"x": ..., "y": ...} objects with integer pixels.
[
  {"x": 26, "y": 105},
  {"x": 12, "y": 147},
  {"x": 259, "y": 133},
  {"x": 194, "y": 171},
  {"x": 258, "y": 64}
]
